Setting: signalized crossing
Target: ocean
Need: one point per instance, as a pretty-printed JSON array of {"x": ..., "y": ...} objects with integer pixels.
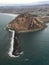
[{"x": 35, "y": 45}]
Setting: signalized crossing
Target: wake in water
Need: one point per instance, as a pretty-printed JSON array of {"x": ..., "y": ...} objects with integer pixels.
[{"x": 14, "y": 47}]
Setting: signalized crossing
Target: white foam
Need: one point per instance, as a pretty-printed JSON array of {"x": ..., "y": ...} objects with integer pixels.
[
  {"x": 11, "y": 46},
  {"x": 12, "y": 43},
  {"x": 10, "y": 14},
  {"x": 21, "y": 53}
]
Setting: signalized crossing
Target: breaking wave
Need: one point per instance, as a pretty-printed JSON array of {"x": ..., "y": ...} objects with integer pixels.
[{"x": 12, "y": 44}]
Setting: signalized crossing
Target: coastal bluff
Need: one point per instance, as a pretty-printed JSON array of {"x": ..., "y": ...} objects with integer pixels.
[{"x": 25, "y": 23}]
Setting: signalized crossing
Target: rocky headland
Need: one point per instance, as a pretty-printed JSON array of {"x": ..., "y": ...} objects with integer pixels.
[{"x": 25, "y": 23}]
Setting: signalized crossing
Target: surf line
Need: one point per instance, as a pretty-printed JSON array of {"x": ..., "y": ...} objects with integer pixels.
[{"x": 13, "y": 45}]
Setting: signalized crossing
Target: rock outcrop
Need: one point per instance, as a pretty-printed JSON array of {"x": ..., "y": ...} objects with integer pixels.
[{"x": 25, "y": 22}]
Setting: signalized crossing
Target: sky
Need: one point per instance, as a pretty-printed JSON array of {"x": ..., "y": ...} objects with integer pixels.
[{"x": 19, "y": 1}]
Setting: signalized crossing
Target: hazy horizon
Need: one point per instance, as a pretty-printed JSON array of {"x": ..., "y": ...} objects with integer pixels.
[{"x": 22, "y": 2}]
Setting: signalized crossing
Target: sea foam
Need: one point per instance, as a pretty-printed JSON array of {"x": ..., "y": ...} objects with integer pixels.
[{"x": 12, "y": 43}]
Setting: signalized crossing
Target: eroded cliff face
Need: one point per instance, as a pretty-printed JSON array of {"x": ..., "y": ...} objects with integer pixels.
[{"x": 25, "y": 22}]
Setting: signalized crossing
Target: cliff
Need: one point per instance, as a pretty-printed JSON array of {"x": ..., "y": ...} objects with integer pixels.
[{"x": 25, "y": 22}]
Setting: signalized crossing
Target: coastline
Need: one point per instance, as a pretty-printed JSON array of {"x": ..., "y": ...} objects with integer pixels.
[
  {"x": 10, "y": 53},
  {"x": 12, "y": 39},
  {"x": 10, "y": 14},
  {"x": 11, "y": 45},
  {"x": 26, "y": 31}
]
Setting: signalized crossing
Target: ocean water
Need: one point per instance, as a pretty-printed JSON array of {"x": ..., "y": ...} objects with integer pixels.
[{"x": 35, "y": 45}]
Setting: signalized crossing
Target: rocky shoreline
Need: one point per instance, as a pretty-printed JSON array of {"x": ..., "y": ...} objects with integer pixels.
[
  {"x": 15, "y": 48},
  {"x": 26, "y": 31},
  {"x": 22, "y": 24}
]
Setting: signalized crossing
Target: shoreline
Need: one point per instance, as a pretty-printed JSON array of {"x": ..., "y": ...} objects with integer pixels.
[
  {"x": 9, "y": 14},
  {"x": 35, "y": 30},
  {"x": 12, "y": 40},
  {"x": 11, "y": 45}
]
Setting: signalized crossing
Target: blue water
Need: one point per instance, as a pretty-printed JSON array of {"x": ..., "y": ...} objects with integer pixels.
[{"x": 35, "y": 45}]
